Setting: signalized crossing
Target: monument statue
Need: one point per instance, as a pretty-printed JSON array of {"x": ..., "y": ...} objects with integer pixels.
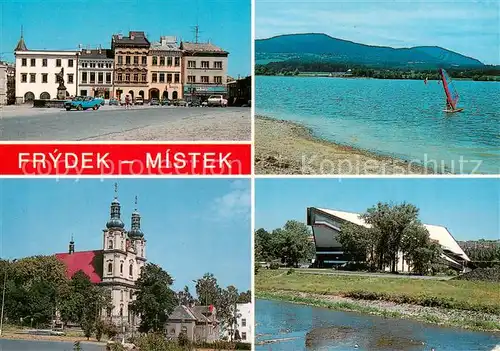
[{"x": 61, "y": 89}]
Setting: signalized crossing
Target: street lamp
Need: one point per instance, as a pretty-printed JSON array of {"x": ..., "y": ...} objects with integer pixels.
[{"x": 3, "y": 294}]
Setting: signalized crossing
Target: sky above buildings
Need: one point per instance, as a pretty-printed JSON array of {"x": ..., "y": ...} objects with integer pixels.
[
  {"x": 63, "y": 25},
  {"x": 469, "y": 208},
  {"x": 468, "y": 27},
  {"x": 192, "y": 226}
]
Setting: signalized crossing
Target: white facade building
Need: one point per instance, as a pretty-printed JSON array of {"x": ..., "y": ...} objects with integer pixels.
[
  {"x": 3, "y": 83},
  {"x": 95, "y": 73},
  {"x": 36, "y": 72},
  {"x": 245, "y": 321}
]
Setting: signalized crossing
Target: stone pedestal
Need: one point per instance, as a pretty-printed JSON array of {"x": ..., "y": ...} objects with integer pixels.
[{"x": 61, "y": 92}]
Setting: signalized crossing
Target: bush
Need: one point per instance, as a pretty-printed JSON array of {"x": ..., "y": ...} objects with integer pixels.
[
  {"x": 157, "y": 342},
  {"x": 274, "y": 265},
  {"x": 256, "y": 268},
  {"x": 182, "y": 339},
  {"x": 290, "y": 271},
  {"x": 99, "y": 329},
  {"x": 110, "y": 330}
]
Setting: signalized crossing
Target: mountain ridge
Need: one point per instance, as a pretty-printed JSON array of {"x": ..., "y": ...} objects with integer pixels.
[{"x": 341, "y": 50}]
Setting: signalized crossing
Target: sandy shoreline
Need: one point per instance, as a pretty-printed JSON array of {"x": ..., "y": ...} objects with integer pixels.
[{"x": 284, "y": 147}]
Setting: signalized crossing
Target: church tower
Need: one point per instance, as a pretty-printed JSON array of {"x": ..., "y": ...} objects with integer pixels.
[
  {"x": 136, "y": 237},
  {"x": 115, "y": 258}
]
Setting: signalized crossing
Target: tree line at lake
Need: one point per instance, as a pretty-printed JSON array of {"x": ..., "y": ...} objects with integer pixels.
[
  {"x": 37, "y": 288},
  {"x": 297, "y": 67},
  {"x": 394, "y": 229}
]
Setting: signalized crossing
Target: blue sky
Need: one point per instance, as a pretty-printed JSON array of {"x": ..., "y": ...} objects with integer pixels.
[
  {"x": 469, "y": 208},
  {"x": 62, "y": 25},
  {"x": 192, "y": 226},
  {"x": 468, "y": 27}
]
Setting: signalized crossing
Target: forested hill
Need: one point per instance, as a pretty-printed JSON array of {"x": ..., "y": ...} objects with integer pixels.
[{"x": 315, "y": 47}]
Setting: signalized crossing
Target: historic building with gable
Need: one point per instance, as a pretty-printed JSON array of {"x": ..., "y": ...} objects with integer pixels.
[
  {"x": 36, "y": 72},
  {"x": 116, "y": 266}
]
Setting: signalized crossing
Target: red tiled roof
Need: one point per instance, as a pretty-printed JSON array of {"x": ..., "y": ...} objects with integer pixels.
[{"x": 90, "y": 262}]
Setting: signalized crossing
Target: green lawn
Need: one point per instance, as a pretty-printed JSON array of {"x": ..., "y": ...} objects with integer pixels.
[{"x": 465, "y": 295}]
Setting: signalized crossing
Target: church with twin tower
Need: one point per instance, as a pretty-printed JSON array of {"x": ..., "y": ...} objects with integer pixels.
[{"x": 117, "y": 266}]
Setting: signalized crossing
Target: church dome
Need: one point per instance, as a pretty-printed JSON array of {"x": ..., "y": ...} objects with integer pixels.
[
  {"x": 136, "y": 233},
  {"x": 115, "y": 223}
]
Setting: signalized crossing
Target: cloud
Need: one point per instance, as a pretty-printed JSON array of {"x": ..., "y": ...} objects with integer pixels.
[{"x": 235, "y": 204}]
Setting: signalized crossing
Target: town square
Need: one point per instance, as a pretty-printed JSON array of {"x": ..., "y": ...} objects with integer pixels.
[{"x": 130, "y": 84}]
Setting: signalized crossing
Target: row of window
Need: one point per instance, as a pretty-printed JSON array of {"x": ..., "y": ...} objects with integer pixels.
[
  {"x": 136, "y": 76},
  {"x": 24, "y": 62},
  {"x": 160, "y": 77},
  {"x": 128, "y": 61},
  {"x": 144, "y": 60},
  {"x": 130, "y": 269},
  {"x": 177, "y": 61},
  {"x": 45, "y": 78},
  {"x": 92, "y": 76},
  {"x": 205, "y": 79},
  {"x": 94, "y": 65},
  {"x": 205, "y": 64}
]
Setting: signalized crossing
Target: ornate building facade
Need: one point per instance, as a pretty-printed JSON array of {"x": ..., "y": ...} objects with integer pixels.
[
  {"x": 165, "y": 69},
  {"x": 131, "y": 64},
  {"x": 117, "y": 266}
]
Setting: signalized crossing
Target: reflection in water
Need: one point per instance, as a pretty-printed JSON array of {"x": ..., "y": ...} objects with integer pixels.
[{"x": 283, "y": 326}]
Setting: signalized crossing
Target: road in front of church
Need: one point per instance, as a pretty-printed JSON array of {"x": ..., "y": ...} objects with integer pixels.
[
  {"x": 18, "y": 123},
  {"x": 36, "y": 345}
]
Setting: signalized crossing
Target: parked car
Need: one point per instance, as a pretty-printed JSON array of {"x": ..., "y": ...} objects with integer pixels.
[
  {"x": 154, "y": 102},
  {"x": 83, "y": 103},
  {"x": 114, "y": 102},
  {"x": 217, "y": 100},
  {"x": 180, "y": 102},
  {"x": 102, "y": 101},
  {"x": 139, "y": 100},
  {"x": 204, "y": 104},
  {"x": 166, "y": 102}
]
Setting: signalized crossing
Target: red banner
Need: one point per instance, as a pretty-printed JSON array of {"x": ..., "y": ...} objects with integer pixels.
[{"x": 141, "y": 159}]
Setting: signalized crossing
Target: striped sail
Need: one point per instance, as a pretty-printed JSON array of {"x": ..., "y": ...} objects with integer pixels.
[{"x": 449, "y": 89}]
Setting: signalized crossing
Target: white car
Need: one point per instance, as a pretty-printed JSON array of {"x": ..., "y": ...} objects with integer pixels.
[{"x": 217, "y": 100}]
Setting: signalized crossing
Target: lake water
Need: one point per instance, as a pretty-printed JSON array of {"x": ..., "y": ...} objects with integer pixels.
[
  {"x": 280, "y": 320},
  {"x": 401, "y": 118},
  {"x": 28, "y": 345}
]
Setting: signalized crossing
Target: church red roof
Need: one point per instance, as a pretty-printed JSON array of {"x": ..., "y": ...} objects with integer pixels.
[{"x": 90, "y": 262}]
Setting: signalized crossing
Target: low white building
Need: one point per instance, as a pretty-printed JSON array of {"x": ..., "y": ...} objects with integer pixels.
[
  {"x": 245, "y": 321},
  {"x": 36, "y": 72},
  {"x": 4, "y": 69}
]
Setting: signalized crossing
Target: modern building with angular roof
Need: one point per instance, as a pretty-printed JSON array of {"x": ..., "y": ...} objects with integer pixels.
[{"x": 326, "y": 225}]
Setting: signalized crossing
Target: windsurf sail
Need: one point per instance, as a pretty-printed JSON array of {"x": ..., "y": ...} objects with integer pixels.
[{"x": 449, "y": 89}]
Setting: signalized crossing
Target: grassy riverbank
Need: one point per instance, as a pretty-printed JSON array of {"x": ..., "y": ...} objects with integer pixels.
[
  {"x": 471, "y": 305},
  {"x": 281, "y": 147}
]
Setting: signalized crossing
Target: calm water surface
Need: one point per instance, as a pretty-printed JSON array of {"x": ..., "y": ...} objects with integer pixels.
[
  {"x": 279, "y": 320},
  {"x": 401, "y": 118},
  {"x": 25, "y": 345}
]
